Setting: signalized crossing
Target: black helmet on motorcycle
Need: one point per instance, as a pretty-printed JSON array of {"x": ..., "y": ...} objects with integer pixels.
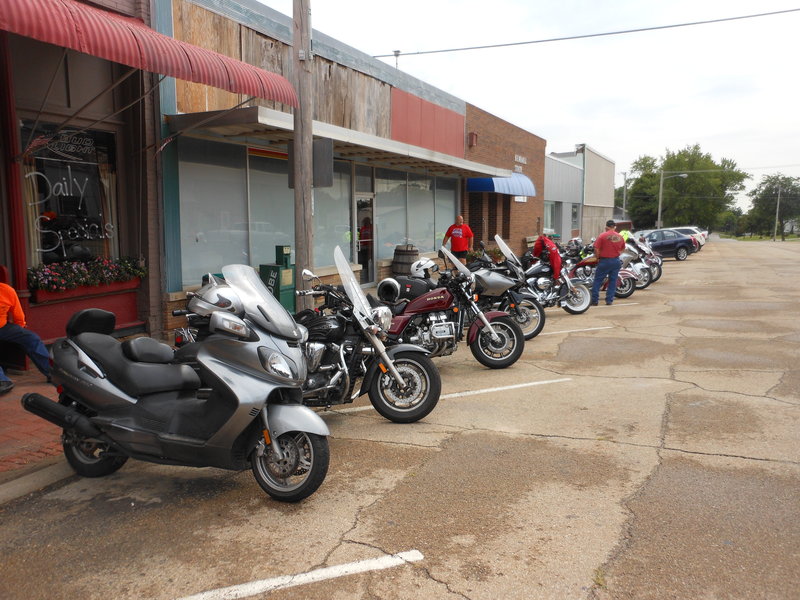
[{"x": 389, "y": 290}]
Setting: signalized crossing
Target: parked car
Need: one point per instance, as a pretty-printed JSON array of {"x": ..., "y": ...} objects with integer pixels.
[
  {"x": 695, "y": 232},
  {"x": 669, "y": 242}
]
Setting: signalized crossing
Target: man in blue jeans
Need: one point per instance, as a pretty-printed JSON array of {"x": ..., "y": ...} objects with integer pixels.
[
  {"x": 12, "y": 329},
  {"x": 607, "y": 248}
]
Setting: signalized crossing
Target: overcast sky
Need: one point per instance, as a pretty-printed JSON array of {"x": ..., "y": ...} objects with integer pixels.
[{"x": 732, "y": 87}]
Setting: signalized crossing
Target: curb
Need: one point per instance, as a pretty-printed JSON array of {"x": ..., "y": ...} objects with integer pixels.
[{"x": 33, "y": 482}]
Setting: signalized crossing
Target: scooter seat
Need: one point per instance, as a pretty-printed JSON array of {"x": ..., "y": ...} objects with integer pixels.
[
  {"x": 133, "y": 377},
  {"x": 145, "y": 349}
]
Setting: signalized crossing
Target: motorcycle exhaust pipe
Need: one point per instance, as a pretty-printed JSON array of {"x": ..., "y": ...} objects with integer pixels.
[{"x": 58, "y": 414}]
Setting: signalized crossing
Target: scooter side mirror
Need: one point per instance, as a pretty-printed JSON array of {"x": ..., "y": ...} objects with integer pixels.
[{"x": 225, "y": 322}]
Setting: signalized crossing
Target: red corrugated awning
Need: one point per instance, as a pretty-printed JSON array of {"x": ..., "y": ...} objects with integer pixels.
[{"x": 130, "y": 42}]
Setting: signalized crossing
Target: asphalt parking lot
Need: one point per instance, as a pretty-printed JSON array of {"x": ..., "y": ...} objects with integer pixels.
[{"x": 647, "y": 449}]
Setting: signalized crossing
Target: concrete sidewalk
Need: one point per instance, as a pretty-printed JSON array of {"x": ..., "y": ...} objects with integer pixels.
[{"x": 28, "y": 444}]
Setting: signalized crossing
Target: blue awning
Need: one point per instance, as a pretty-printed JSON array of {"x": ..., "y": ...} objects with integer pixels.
[{"x": 516, "y": 185}]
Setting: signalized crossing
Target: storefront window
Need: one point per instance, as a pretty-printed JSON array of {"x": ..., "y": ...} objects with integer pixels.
[
  {"x": 389, "y": 228},
  {"x": 70, "y": 188},
  {"x": 421, "y": 212},
  {"x": 445, "y": 211},
  {"x": 332, "y": 216},
  {"x": 271, "y": 208},
  {"x": 214, "y": 229},
  {"x": 549, "y": 217}
]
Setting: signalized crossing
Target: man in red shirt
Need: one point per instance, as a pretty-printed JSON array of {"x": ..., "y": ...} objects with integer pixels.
[
  {"x": 607, "y": 248},
  {"x": 462, "y": 237}
]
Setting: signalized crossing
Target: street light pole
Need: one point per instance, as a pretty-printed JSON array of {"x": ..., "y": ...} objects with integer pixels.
[{"x": 659, "y": 224}]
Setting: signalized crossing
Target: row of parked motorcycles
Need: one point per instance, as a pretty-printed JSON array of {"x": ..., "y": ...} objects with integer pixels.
[{"x": 238, "y": 390}]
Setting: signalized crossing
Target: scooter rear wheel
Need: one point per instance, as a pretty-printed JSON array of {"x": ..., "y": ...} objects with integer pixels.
[
  {"x": 87, "y": 456},
  {"x": 301, "y": 470}
]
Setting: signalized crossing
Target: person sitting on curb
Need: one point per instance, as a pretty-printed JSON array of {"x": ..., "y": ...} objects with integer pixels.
[{"x": 12, "y": 329}]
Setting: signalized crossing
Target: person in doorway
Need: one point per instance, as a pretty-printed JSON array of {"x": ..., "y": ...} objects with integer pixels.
[
  {"x": 365, "y": 247},
  {"x": 607, "y": 248},
  {"x": 12, "y": 330},
  {"x": 461, "y": 236}
]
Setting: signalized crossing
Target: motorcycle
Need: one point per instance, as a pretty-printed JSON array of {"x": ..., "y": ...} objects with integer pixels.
[
  {"x": 344, "y": 344},
  {"x": 585, "y": 268},
  {"x": 436, "y": 320},
  {"x": 564, "y": 290},
  {"x": 496, "y": 287},
  {"x": 231, "y": 401}
]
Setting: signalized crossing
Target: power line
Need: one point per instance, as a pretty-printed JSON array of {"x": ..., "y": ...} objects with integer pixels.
[{"x": 397, "y": 53}]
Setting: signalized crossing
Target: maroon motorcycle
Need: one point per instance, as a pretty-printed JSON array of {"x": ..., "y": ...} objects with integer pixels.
[{"x": 437, "y": 320}]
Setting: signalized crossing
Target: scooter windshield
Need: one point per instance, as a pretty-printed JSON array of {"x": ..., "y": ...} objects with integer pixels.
[
  {"x": 259, "y": 303},
  {"x": 351, "y": 286}
]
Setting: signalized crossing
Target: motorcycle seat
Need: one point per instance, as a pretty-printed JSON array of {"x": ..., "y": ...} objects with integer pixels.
[
  {"x": 396, "y": 307},
  {"x": 135, "y": 377}
]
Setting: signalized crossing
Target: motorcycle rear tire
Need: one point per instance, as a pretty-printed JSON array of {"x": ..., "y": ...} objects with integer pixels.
[
  {"x": 531, "y": 321},
  {"x": 579, "y": 300},
  {"x": 508, "y": 351},
  {"x": 625, "y": 288},
  {"x": 300, "y": 473},
  {"x": 425, "y": 388}
]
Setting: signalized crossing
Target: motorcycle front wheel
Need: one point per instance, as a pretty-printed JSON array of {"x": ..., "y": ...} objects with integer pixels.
[
  {"x": 529, "y": 315},
  {"x": 625, "y": 287},
  {"x": 502, "y": 353},
  {"x": 578, "y": 300},
  {"x": 301, "y": 470},
  {"x": 647, "y": 279},
  {"x": 656, "y": 271},
  {"x": 417, "y": 399}
]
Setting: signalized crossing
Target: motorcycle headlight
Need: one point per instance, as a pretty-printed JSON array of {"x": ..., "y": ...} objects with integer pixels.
[
  {"x": 382, "y": 316},
  {"x": 275, "y": 364}
]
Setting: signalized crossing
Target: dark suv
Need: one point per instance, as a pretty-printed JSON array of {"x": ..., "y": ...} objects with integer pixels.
[{"x": 669, "y": 242}]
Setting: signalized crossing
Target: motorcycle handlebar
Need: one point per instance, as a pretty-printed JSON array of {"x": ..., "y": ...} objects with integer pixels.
[{"x": 180, "y": 313}]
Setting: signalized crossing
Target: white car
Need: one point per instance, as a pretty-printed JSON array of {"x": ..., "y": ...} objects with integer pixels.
[{"x": 695, "y": 232}]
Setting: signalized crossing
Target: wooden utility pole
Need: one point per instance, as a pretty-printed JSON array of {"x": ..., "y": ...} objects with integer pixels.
[{"x": 303, "y": 145}]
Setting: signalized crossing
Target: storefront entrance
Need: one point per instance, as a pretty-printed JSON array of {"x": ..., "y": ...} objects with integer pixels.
[{"x": 365, "y": 237}]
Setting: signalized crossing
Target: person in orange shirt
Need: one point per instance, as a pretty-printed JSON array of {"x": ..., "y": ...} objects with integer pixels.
[{"x": 12, "y": 329}]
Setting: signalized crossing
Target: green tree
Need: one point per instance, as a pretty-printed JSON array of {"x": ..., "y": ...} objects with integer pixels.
[
  {"x": 764, "y": 197},
  {"x": 699, "y": 199}
]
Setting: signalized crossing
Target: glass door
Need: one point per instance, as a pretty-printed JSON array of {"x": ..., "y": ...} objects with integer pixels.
[{"x": 365, "y": 237}]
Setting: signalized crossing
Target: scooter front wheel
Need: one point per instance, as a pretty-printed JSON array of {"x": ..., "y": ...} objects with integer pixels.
[
  {"x": 301, "y": 470},
  {"x": 414, "y": 401}
]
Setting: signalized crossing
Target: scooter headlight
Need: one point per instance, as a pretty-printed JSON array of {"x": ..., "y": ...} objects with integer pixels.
[
  {"x": 382, "y": 316},
  {"x": 275, "y": 364}
]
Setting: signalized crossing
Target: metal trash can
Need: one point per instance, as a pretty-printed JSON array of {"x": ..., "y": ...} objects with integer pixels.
[
  {"x": 404, "y": 256},
  {"x": 279, "y": 277}
]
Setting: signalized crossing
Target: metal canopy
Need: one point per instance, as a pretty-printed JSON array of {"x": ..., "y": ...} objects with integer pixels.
[
  {"x": 261, "y": 125},
  {"x": 128, "y": 41}
]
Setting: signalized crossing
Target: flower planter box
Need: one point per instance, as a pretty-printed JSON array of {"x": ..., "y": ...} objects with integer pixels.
[{"x": 84, "y": 291}]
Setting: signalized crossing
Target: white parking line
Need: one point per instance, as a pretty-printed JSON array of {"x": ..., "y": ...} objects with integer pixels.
[
  {"x": 502, "y": 389},
  {"x": 336, "y": 411},
  {"x": 276, "y": 583},
  {"x": 575, "y": 330}
]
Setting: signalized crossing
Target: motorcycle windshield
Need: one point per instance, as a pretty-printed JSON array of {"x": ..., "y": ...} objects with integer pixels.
[
  {"x": 461, "y": 268},
  {"x": 351, "y": 287},
  {"x": 507, "y": 252},
  {"x": 258, "y": 302}
]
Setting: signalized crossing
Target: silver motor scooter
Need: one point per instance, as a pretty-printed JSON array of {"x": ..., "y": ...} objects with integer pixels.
[{"x": 231, "y": 401}]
